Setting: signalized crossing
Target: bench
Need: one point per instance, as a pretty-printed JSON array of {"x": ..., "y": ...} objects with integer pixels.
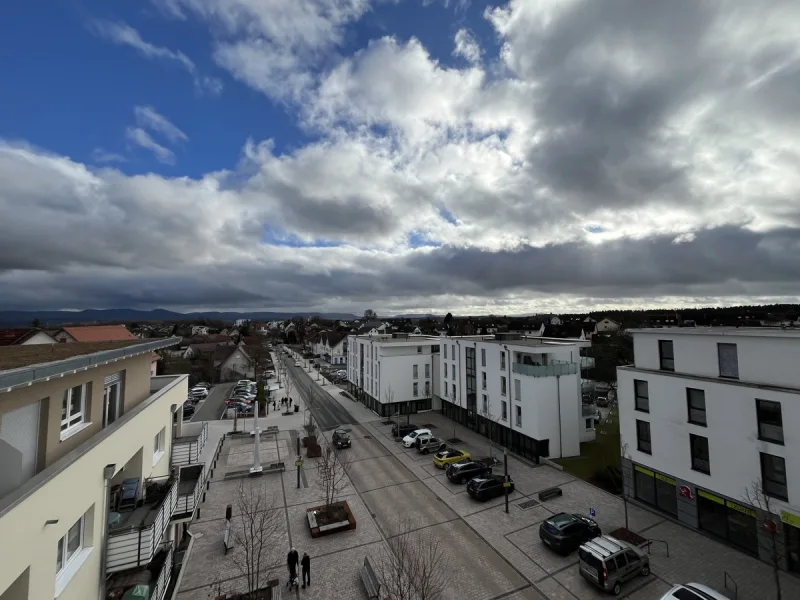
[
  {"x": 550, "y": 493},
  {"x": 371, "y": 581}
]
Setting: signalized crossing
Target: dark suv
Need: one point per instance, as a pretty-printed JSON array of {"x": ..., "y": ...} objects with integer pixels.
[
  {"x": 462, "y": 472},
  {"x": 491, "y": 486},
  {"x": 401, "y": 430},
  {"x": 341, "y": 439},
  {"x": 565, "y": 533}
]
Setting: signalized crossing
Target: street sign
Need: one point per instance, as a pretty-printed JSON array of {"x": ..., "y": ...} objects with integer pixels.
[
  {"x": 298, "y": 463},
  {"x": 592, "y": 513},
  {"x": 506, "y": 484}
]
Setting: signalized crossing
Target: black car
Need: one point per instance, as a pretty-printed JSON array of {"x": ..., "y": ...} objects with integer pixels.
[
  {"x": 188, "y": 410},
  {"x": 485, "y": 488},
  {"x": 565, "y": 533},
  {"x": 401, "y": 430},
  {"x": 341, "y": 438},
  {"x": 463, "y": 472}
]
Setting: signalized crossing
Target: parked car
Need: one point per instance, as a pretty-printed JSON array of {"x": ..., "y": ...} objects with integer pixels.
[
  {"x": 608, "y": 563},
  {"x": 199, "y": 391},
  {"x": 342, "y": 373},
  {"x": 427, "y": 444},
  {"x": 401, "y": 430},
  {"x": 449, "y": 456},
  {"x": 245, "y": 382},
  {"x": 601, "y": 401},
  {"x": 410, "y": 439},
  {"x": 564, "y": 532},
  {"x": 242, "y": 407},
  {"x": 693, "y": 591},
  {"x": 486, "y": 488},
  {"x": 341, "y": 439},
  {"x": 463, "y": 472},
  {"x": 188, "y": 410},
  {"x": 203, "y": 384}
]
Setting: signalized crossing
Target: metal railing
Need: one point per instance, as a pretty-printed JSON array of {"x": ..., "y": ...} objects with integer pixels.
[
  {"x": 162, "y": 583},
  {"x": 554, "y": 370},
  {"x": 136, "y": 545},
  {"x": 188, "y": 502},
  {"x": 649, "y": 543},
  {"x": 735, "y": 590},
  {"x": 187, "y": 450}
]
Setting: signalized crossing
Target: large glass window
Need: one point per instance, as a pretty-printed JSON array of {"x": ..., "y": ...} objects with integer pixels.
[
  {"x": 645, "y": 485},
  {"x": 770, "y": 421},
  {"x": 728, "y": 358},
  {"x": 666, "y": 355},
  {"x": 696, "y": 401},
  {"x": 700, "y": 457},
  {"x": 712, "y": 514},
  {"x": 656, "y": 489},
  {"x": 642, "y": 395},
  {"x": 69, "y": 545},
  {"x": 729, "y": 520},
  {"x": 643, "y": 442},
  {"x": 73, "y": 407},
  {"x": 773, "y": 476}
]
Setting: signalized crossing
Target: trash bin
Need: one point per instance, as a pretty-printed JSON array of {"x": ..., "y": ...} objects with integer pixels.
[{"x": 296, "y": 408}]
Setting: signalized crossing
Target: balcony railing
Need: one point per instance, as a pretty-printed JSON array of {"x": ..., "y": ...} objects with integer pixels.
[
  {"x": 162, "y": 583},
  {"x": 186, "y": 450},
  {"x": 587, "y": 362},
  {"x": 554, "y": 370},
  {"x": 157, "y": 583},
  {"x": 135, "y": 540},
  {"x": 191, "y": 483}
]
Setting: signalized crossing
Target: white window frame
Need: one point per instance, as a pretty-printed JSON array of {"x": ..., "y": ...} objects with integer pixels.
[
  {"x": 416, "y": 389},
  {"x": 159, "y": 443},
  {"x": 73, "y": 422},
  {"x": 62, "y": 550}
]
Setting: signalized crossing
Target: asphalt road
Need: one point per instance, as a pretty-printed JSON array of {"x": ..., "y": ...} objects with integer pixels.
[
  {"x": 212, "y": 407},
  {"x": 327, "y": 412}
]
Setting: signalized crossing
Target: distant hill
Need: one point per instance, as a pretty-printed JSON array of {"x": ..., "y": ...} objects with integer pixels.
[{"x": 50, "y": 318}]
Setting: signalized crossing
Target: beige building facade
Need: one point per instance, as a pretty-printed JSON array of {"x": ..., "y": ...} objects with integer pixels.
[{"x": 86, "y": 485}]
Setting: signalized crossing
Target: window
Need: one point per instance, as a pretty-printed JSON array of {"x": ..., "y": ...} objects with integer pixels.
[
  {"x": 519, "y": 416},
  {"x": 69, "y": 545},
  {"x": 427, "y": 371},
  {"x": 728, "y": 361},
  {"x": 502, "y": 360},
  {"x": 453, "y": 393},
  {"x": 483, "y": 357},
  {"x": 485, "y": 404},
  {"x": 665, "y": 355},
  {"x": 419, "y": 349},
  {"x": 445, "y": 370},
  {"x": 483, "y": 379},
  {"x": 427, "y": 388},
  {"x": 416, "y": 371},
  {"x": 416, "y": 389},
  {"x": 773, "y": 477},
  {"x": 453, "y": 351},
  {"x": 444, "y": 351},
  {"x": 696, "y": 399},
  {"x": 700, "y": 457},
  {"x": 643, "y": 437},
  {"x": 589, "y": 423},
  {"x": 504, "y": 409},
  {"x": 503, "y": 385},
  {"x": 770, "y": 421},
  {"x": 517, "y": 390},
  {"x": 158, "y": 445},
  {"x": 641, "y": 392},
  {"x": 73, "y": 407}
]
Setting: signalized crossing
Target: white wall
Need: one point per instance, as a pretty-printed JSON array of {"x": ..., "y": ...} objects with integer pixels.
[
  {"x": 40, "y": 337},
  {"x": 732, "y": 431},
  {"x": 772, "y": 360}
]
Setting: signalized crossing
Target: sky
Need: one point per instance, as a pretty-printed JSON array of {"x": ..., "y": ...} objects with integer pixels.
[{"x": 400, "y": 155}]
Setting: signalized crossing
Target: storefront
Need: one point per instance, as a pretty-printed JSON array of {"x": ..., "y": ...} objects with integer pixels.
[
  {"x": 728, "y": 520},
  {"x": 791, "y": 527},
  {"x": 655, "y": 489}
]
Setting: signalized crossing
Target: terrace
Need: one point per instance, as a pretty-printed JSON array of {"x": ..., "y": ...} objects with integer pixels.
[{"x": 188, "y": 442}]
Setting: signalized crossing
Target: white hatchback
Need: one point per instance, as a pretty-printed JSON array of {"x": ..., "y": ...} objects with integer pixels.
[
  {"x": 693, "y": 591},
  {"x": 411, "y": 438}
]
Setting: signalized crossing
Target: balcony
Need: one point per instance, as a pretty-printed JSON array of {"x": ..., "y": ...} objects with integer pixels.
[
  {"x": 150, "y": 582},
  {"x": 191, "y": 484},
  {"x": 135, "y": 536},
  {"x": 588, "y": 410},
  {"x": 187, "y": 449},
  {"x": 553, "y": 370}
]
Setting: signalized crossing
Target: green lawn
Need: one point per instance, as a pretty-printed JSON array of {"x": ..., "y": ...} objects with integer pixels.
[{"x": 603, "y": 452}]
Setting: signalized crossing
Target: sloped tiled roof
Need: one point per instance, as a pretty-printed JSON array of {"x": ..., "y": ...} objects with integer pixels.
[
  {"x": 9, "y": 337},
  {"x": 100, "y": 333}
]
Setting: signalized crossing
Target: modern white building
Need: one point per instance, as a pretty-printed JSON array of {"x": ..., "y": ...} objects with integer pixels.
[
  {"x": 392, "y": 373},
  {"x": 90, "y": 499},
  {"x": 708, "y": 419},
  {"x": 523, "y": 393}
]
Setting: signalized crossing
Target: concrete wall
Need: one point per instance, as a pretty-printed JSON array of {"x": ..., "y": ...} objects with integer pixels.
[
  {"x": 68, "y": 490},
  {"x": 40, "y": 337},
  {"x": 770, "y": 360}
]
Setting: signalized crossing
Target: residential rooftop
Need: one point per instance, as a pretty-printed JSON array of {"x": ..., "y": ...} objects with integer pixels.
[
  {"x": 16, "y": 357},
  {"x": 722, "y": 331}
]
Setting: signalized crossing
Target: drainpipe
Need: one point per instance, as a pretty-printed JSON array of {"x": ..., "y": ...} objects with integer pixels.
[
  {"x": 108, "y": 473},
  {"x": 560, "y": 430}
]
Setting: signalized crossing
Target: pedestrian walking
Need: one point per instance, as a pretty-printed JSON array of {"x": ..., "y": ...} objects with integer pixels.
[
  {"x": 305, "y": 566},
  {"x": 291, "y": 561}
]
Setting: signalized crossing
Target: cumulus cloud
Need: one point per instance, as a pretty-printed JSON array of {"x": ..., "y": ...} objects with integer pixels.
[{"x": 615, "y": 154}]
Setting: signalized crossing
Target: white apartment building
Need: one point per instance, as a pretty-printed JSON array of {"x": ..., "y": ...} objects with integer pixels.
[
  {"x": 392, "y": 373},
  {"x": 706, "y": 415},
  {"x": 89, "y": 494},
  {"x": 523, "y": 393}
]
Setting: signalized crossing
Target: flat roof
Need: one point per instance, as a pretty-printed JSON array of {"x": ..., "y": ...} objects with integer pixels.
[
  {"x": 416, "y": 340},
  {"x": 725, "y": 331},
  {"x": 15, "y": 357}
]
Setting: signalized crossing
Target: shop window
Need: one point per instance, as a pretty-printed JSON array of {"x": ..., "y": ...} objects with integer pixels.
[
  {"x": 696, "y": 401},
  {"x": 773, "y": 476},
  {"x": 645, "y": 485},
  {"x": 770, "y": 421}
]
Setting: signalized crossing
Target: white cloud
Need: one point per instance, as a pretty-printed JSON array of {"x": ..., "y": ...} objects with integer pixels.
[
  {"x": 141, "y": 138},
  {"x": 146, "y": 116},
  {"x": 467, "y": 46},
  {"x": 100, "y": 155},
  {"x": 125, "y": 35}
]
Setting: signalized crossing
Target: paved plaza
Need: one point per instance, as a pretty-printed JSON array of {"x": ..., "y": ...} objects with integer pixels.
[{"x": 491, "y": 553}]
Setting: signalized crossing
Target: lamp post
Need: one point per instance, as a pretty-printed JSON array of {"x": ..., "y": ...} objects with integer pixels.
[
  {"x": 256, "y": 469},
  {"x": 505, "y": 477}
]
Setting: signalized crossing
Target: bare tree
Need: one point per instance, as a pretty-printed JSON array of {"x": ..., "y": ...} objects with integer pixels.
[
  {"x": 261, "y": 527},
  {"x": 288, "y": 386},
  {"x": 414, "y": 566},
  {"x": 332, "y": 469},
  {"x": 755, "y": 496}
]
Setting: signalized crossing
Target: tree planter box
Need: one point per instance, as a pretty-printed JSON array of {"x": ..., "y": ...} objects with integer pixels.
[
  {"x": 321, "y": 524},
  {"x": 314, "y": 451},
  {"x": 310, "y": 440},
  {"x": 265, "y": 593}
]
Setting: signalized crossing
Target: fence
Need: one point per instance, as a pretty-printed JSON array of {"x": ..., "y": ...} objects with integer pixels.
[{"x": 186, "y": 450}]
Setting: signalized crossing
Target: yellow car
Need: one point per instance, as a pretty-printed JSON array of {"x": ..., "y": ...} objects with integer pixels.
[{"x": 449, "y": 456}]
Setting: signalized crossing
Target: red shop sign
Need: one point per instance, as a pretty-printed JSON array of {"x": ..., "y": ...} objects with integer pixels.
[{"x": 685, "y": 491}]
